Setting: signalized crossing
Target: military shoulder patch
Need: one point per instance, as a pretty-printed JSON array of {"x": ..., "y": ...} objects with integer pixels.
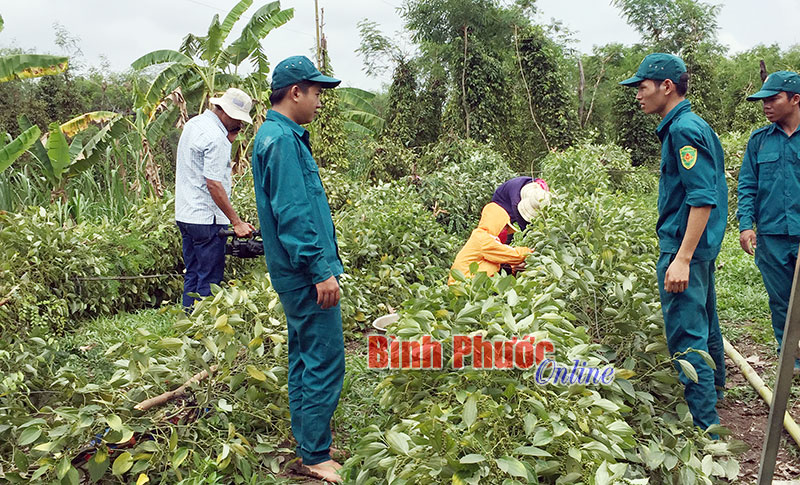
[{"x": 688, "y": 156}]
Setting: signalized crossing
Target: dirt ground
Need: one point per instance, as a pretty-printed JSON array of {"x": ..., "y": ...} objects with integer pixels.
[{"x": 745, "y": 413}]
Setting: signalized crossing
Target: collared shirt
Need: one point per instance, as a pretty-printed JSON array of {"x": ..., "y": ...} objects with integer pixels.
[
  {"x": 204, "y": 152},
  {"x": 692, "y": 175},
  {"x": 296, "y": 225},
  {"x": 769, "y": 183}
]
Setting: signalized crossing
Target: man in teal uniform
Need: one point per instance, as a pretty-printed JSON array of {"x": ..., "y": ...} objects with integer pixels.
[
  {"x": 769, "y": 193},
  {"x": 692, "y": 213},
  {"x": 302, "y": 258}
]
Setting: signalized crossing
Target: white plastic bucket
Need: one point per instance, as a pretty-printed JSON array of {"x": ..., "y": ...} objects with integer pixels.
[{"x": 381, "y": 323}]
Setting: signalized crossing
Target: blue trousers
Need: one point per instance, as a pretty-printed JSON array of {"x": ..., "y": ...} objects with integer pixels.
[
  {"x": 203, "y": 257},
  {"x": 776, "y": 257},
  {"x": 316, "y": 371},
  {"x": 690, "y": 321}
]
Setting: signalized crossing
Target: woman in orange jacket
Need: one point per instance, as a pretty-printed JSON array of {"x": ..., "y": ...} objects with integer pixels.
[{"x": 486, "y": 246}]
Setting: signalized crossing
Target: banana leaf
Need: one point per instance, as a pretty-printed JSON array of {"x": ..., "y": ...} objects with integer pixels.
[
  {"x": 158, "y": 128},
  {"x": 23, "y": 66},
  {"x": 37, "y": 150},
  {"x": 233, "y": 16},
  {"x": 209, "y": 50},
  {"x": 97, "y": 146},
  {"x": 160, "y": 57},
  {"x": 57, "y": 150},
  {"x": 163, "y": 80},
  {"x": 80, "y": 123},
  {"x": 18, "y": 146}
]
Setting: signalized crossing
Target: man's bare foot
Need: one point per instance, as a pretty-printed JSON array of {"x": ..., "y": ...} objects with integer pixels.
[
  {"x": 327, "y": 470},
  {"x": 333, "y": 463}
]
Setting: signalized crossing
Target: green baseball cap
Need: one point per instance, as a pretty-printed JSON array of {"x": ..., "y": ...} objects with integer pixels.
[
  {"x": 778, "y": 82},
  {"x": 657, "y": 66},
  {"x": 299, "y": 68}
]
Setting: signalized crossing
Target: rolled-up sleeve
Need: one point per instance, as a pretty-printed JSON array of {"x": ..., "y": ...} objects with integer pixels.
[
  {"x": 292, "y": 209},
  {"x": 697, "y": 176}
]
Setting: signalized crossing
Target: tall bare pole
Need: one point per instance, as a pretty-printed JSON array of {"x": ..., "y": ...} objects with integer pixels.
[{"x": 316, "y": 20}]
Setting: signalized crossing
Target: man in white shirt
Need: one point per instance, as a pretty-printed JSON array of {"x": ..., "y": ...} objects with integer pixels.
[{"x": 203, "y": 190}]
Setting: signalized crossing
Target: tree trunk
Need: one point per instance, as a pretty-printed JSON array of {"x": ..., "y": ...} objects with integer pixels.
[
  {"x": 528, "y": 89},
  {"x": 464, "y": 85},
  {"x": 581, "y": 86}
]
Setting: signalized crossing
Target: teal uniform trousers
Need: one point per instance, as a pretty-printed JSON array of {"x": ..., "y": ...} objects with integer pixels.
[
  {"x": 692, "y": 323},
  {"x": 776, "y": 257},
  {"x": 316, "y": 370}
]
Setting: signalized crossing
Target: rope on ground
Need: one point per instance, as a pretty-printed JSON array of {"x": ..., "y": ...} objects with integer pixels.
[
  {"x": 755, "y": 380},
  {"x": 123, "y": 278}
]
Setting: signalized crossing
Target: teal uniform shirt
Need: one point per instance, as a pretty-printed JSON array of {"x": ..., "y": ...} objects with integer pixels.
[
  {"x": 769, "y": 183},
  {"x": 299, "y": 238},
  {"x": 769, "y": 198},
  {"x": 692, "y": 175}
]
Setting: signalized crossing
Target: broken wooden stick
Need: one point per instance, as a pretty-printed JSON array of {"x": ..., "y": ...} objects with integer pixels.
[{"x": 163, "y": 398}]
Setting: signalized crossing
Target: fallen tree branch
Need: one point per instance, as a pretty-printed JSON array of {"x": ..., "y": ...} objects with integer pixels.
[
  {"x": 163, "y": 398},
  {"x": 8, "y": 297}
]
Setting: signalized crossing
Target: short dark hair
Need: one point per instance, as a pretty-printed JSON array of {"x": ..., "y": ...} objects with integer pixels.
[
  {"x": 681, "y": 85},
  {"x": 789, "y": 96},
  {"x": 277, "y": 96}
]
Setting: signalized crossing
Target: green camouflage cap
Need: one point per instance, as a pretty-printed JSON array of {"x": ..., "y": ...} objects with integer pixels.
[
  {"x": 658, "y": 66},
  {"x": 778, "y": 82},
  {"x": 299, "y": 68}
]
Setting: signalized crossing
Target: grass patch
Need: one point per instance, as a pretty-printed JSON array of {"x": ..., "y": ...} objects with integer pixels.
[
  {"x": 741, "y": 296},
  {"x": 84, "y": 349}
]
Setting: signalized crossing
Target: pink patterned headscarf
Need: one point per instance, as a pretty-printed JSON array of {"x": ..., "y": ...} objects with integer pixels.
[{"x": 542, "y": 184}]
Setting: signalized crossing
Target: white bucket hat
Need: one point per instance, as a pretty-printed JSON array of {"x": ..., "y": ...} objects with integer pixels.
[
  {"x": 532, "y": 197},
  {"x": 236, "y": 104}
]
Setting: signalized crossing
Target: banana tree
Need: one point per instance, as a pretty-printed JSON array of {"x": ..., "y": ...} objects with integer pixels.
[
  {"x": 23, "y": 66},
  {"x": 204, "y": 65},
  {"x": 360, "y": 115},
  {"x": 60, "y": 159},
  {"x": 150, "y": 126}
]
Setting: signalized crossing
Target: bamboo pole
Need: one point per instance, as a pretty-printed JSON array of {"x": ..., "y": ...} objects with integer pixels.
[{"x": 758, "y": 384}]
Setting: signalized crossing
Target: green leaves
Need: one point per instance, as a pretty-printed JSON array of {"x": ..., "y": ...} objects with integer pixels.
[
  {"x": 18, "y": 146},
  {"x": 688, "y": 369},
  {"x": 24, "y": 66},
  {"x": 57, "y": 150},
  {"x": 470, "y": 411},
  {"x": 98, "y": 464},
  {"x": 29, "y": 435},
  {"x": 512, "y": 466},
  {"x": 397, "y": 441},
  {"x": 122, "y": 463}
]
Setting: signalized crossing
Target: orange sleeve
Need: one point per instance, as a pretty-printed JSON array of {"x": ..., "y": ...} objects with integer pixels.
[{"x": 497, "y": 252}]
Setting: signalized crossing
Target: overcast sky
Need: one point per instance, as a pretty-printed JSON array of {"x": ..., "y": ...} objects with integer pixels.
[{"x": 123, "y": 30}]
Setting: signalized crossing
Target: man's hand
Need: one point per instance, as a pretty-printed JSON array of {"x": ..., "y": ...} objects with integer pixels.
[
  {"x": 677, "y": 278},
  {"x": 243, "y": 229},
  {"x": 747, "y": 239},
  {"x": 328, "y": 293}
]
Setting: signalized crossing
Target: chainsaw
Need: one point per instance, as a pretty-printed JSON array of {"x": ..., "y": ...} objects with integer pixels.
[{"x": 251, "y": 246}]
